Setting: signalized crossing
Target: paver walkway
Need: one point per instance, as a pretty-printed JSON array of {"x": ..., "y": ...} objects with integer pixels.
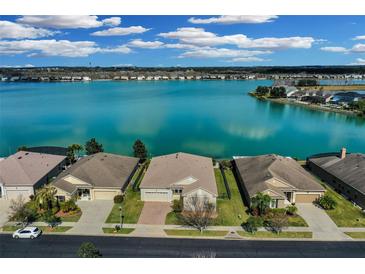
[
  {"x": 94, "y": 214},
  {"x": 152, "y": 220},
  {"x": 320, "y": 223}
]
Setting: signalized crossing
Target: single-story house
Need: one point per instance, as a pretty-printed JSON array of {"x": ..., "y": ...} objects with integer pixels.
[
  {"x": 23, "y": 172},
  {"x": 282, "y": 178},
  {"x": 100, "y": 176},
  {"x": 179, "y": 175},
  {"x": 345, "y": 172}
]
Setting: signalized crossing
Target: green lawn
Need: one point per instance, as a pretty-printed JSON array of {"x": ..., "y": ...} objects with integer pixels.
[
  {"x": 171, "y": 219},
  {"x": 110, "y": 230},
  {"x": 345, "y": 214},
  {"x": 222, "y": 193},
  {"x": 72, "y": 218},
  {"x": 45, "y": 229},
  {"x": 131, "y": 208},
  {"x": 195, "y": 233},
  {"x": 296, "y": 221},
  {"x": 230, "y": 212},
  {"x": 268, "y": 234},
  {"x": 356, "y": 235}
]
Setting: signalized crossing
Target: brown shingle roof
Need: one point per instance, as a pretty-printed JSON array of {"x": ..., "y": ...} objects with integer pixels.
[
  {"x": 100, "y": 170},
  {"x": 164, "y": 171},
  {"x": 27, "y": 168},
  {"x": 256, "y": 171}
]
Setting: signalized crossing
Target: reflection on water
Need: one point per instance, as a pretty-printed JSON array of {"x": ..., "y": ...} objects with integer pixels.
[{"x": 215, "y": 118}]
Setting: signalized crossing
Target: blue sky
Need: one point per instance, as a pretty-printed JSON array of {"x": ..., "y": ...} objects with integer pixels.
[{"x": 181, "y": 40}]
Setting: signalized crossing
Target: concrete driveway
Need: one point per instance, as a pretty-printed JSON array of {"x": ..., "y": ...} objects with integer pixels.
[
  {"x": 94, "y": 214},
  {"x": 320, "y": 223},
  {"x": 154, "y": 213},
  {"x": 4, "y": 211}
]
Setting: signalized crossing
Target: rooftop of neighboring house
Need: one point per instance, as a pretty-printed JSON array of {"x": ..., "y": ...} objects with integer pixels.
[
  {"x": 100, "y": 170},
  {"x": 26, "y": 168},
  {"x": 188, "y": 171},
  {"x": 274, "y": 173},
  {"x": 349, "y": 168}
]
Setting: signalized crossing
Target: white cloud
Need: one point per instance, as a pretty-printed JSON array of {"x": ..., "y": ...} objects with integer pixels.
[
  {"x": 63, "y": 48},
  {"x": 248, "y": 59},
  {"x": 220, "y": 53},
  {"x": 67, "y": 21},
  {"x": 17, "y": 31},
  {"x": 334, "y": 49},
  {"x": 359, "y": 62},
  {"x": 120, "y": 31},
  {"x": 17, "y": 66},
  {"x": 112, "y": 21},
  {"x": 234, "y": 19},
  {"x": 358, "y": 48},
  {"x": 359, "y": 37},
  {"x": 138, "y": 43},
  {"x": 200, "y": 37}
]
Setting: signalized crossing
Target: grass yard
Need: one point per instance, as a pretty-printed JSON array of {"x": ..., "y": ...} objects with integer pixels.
[
  {"x": 268, "y": 234},
  {"x": 195, "y": 233},
  {"x": 345, "y": 214},
  {"x": 45, "y": 229},
  {"x": 172, "y": 219},
  {"x": 72, "y": 217},
  {"x": 110, "y": 230},
  {"x": 131, "y": 206},
  {"x": 10, "y": 228},
  {"x": 296, "y": 221},
  {"x": 230, "y": 212},
  {"x": 356, "y": 235}
]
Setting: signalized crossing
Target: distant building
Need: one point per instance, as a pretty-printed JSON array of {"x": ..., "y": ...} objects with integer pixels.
[
  {"x": 282, "y": 178},
  {"x": 344, "y": 172}
]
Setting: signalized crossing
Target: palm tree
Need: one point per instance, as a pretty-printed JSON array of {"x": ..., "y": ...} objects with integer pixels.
[
  {"x": 261, "y": 202},
  {"x": 45, "y": 197}
]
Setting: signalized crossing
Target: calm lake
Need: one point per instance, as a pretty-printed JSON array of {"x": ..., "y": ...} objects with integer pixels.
[{"x": 215, "y": 118}]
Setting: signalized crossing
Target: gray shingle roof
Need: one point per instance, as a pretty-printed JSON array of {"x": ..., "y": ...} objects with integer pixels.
[
  {"x": 164, "y": 171},
  {"x": 350, "y": 170},
  {"x": 255, "y": 171},
  {"x": 101, "y": 170},
  {"x": 27, "y": 168}
]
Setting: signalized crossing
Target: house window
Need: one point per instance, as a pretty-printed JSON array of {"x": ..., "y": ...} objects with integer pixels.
[
  {"x": 274, "y": 203},
  {"x": 61, "y": 198}
]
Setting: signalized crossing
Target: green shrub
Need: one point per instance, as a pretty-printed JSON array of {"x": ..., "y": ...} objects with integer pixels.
[
  {"x": 118, "y": 199},
  {"x": 277, "y": 210},
  {"x": 177, "y": 206},
  {"x": 326, "y": 202},
  {"x": 51, "y": 219},
  {"x": 276, "y": 221},
  {"x": 68, "y": 206},
  {"x": 253, "y": 223},
  {"x": 227, "y": 164},
  {"x": 291, "y": 210},
  {"x": 88, "y": 250}
]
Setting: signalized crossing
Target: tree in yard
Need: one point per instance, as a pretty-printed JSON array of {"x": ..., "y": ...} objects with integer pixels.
[
  {"x": 277, "y": 221},
  {"x": 139, "y": 149},
  {"x": 73, "y": 152},
  {"x": 22, "y": 148},
  {"x": 260, "y": 202},
  {"x": 253, "y": 223},
  {"x": 88, "y": 250},
  {"x": 51, "y": 219},
  {"x": 198, "y": 212},
  {"x": 19, "y": 212},
  {"x": 45, "y": 197},
  {"x": 92, "y": 147},
  {"x": 262, "y": 90}
]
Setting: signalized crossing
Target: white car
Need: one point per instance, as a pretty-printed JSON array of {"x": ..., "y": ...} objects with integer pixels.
[{"x": 29, "y": 232}]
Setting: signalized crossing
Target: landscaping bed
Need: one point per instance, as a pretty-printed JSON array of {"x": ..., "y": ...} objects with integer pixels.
[
  {"x": 70, "y": 216},
  {"x": 195, "y": 233},
  {"x": 269, "y": 234},
  {"x": 110, "y": 230}
]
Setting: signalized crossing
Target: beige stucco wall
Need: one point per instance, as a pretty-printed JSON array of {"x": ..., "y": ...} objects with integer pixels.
[
  {"x": 150, "y": 194},
  {"x": 12, "y": 192},
  {"x": 104, "y": 193}
]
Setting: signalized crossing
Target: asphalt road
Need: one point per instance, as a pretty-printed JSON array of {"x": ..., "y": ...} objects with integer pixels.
[{"x": 56, "y": 246}]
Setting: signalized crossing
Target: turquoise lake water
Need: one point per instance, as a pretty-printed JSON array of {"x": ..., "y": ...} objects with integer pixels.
[{"x": 215, "y": 118}]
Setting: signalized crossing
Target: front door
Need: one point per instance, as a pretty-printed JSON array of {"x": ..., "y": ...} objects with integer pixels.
[{"x": 83, "y": 194}]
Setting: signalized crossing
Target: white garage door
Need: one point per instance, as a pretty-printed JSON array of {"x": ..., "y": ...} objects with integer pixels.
[
  {"x": 14, "y": 194},
  {"x": 158, "y": 196},
  {"x": 104, "y": 194}
]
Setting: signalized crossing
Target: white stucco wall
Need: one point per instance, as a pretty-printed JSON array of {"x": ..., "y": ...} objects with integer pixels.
[{"x": 156, "y": 194}]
